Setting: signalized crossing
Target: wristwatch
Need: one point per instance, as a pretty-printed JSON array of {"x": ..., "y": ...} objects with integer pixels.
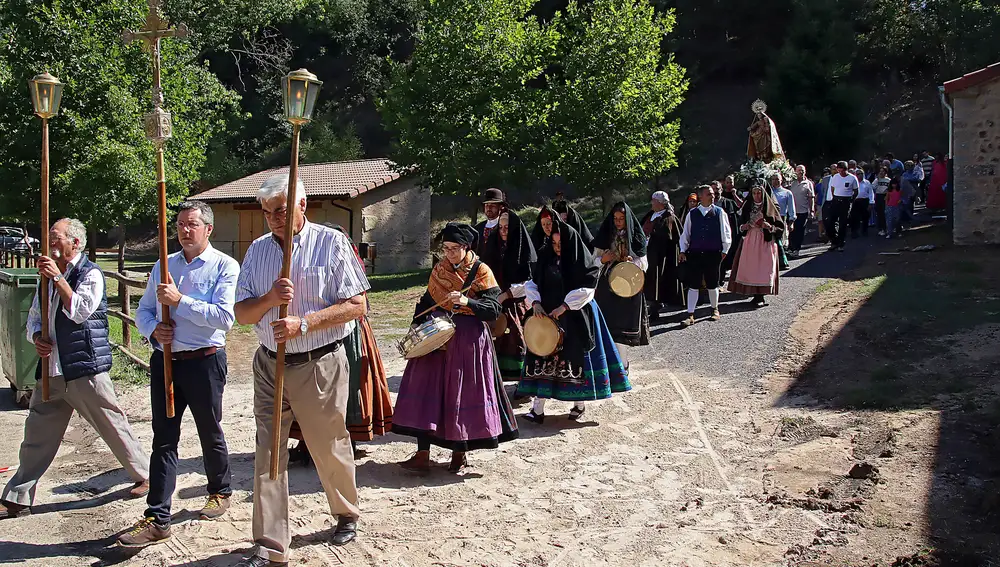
[
  {"x": 56, "y": 279},
  {"x": 303, "y": 326}
]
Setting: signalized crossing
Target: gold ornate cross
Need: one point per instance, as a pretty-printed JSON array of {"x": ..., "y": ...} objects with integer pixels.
[{"x": 158, "y": 126}]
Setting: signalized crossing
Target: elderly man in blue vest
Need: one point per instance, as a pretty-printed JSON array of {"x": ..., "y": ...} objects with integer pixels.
[
  {"x": 79, "y": 357},
  {"x": 705, "y": 242}
]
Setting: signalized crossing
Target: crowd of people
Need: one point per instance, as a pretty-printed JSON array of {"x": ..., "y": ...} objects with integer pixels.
[{"x": 494, "y": 282}]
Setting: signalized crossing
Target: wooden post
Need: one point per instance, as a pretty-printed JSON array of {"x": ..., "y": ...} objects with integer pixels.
[
  {"x": 126, "y": 301},
  {"x": 43, "y": 289},
  {"x": 291, "y": 205}
]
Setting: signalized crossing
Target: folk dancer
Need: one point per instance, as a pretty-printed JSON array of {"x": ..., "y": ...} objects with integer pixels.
[
  {"x": 201, "y": 293},
  {"x": 542, "y": 230},
  {"x": 369, "y": 406},
  {"x": 325, "y": 296},
  {"x": 785, "y": 201},
  {"x": 663, "y": 232},
  {"x": 587, "y": 366},
  {"x": 79, "y": 357},
  {"x": 755, "y": 269},
  {"x": 511, "y": 256},
  {"x": 494, "y": 203},
  {"x": 454, "y": 397},
  {"x": 705, "y": 242},
  {"x": 574, "y": 219},
  {"x": 621, "y": 239}
]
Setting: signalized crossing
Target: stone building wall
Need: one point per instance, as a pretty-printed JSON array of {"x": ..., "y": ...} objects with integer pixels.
[
  {"x": 397, "y": 219},
  {"x": 977, "y": 164}
]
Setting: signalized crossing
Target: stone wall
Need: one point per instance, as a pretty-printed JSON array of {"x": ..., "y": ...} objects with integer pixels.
[
  {"x": 977, "y": 164},
  {"x": 397, "y": 219}
]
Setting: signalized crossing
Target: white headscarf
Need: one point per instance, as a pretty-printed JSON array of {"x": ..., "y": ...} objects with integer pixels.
[{"x": 661, "y": 197}]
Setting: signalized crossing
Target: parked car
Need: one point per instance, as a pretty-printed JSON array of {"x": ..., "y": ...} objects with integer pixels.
[{"x": 13, "y": 238}]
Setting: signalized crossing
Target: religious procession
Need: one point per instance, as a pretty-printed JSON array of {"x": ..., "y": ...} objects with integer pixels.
[{"x": 642, "y": 356}]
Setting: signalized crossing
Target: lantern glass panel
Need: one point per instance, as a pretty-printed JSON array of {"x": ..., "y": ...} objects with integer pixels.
[
  {"x": 311, "y": 97},
  {"x": 295, "y": 93}
]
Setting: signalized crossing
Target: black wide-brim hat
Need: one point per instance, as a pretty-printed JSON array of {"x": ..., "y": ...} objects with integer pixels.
[{"x": 493, "y": 195}]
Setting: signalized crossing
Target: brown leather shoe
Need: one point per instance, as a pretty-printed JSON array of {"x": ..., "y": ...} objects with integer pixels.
[
  {"x": 10, "y": 510},
  {"x": 215, "y": 506},
  {"x": 139, "y": 489},
  {"x": 144, "y": 532},
  {"x": 420, "y": 462}
]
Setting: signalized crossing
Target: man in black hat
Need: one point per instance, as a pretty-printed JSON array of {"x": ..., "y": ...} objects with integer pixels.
[{"x": 494, "y": 203}]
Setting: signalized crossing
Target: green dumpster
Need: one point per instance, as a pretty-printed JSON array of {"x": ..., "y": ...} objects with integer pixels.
[{"x": 17, "y": 354}]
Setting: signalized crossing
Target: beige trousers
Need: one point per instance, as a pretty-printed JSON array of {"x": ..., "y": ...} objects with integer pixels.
[
  {"x": 94, "y": 398},
  {"x": 315, "y": 395}
]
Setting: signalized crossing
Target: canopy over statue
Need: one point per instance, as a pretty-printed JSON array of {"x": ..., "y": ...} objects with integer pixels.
[{"x": 763, "y": 143}]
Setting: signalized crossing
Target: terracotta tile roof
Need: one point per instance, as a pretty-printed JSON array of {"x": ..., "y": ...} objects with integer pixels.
[
  {"x": 972, "y": 79},
  {"x": 336, "y": 179}
]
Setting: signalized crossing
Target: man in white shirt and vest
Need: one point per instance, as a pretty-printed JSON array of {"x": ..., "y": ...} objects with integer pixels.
[
  {"x": 705, "y": 241},
  {"x": 78, "y": 353},
  {"x": 324, "y": 296},
  {"x": 200, "y": 293}
]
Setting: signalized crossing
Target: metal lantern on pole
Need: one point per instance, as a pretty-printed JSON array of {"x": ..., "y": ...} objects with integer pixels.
[
  {"x": 46, "y": 95},
  {"x": 299, "y": 89}
]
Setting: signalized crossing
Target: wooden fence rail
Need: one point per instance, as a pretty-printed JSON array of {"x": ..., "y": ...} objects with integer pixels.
[
  {"x": 125, "y": 282},
  {"x": 17, "y": 258}
]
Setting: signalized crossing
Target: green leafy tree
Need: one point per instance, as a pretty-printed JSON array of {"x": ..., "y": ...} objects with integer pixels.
[
  {"x": 460, "y": 106},
  {"x": 612, "y": 93},
  {"x": 102, "y": 165}
]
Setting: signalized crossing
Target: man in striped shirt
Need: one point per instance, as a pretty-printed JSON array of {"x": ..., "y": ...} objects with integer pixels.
[{"x": 324, "y": 298}]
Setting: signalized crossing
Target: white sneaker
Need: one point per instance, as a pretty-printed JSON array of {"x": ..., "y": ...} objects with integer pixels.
[
  {"x": 888, "y": 237},
  {"x": 881, "y": 233}
]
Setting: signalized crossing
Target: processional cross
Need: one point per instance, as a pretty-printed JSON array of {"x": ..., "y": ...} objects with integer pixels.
[{"x": 158, "y": 131}]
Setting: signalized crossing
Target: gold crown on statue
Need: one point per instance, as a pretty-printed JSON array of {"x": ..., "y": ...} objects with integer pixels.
[{"x": 758, "y": 106}]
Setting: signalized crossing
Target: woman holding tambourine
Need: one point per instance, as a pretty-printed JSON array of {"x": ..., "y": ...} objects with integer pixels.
[
  {"x": 586, "y": 365},
  {"x": 621, "y": 239},
  {"x": 453, "y": 397}
]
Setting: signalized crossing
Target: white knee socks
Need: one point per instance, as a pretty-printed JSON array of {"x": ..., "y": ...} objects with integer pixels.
[
  {"x": 713, "y": 297},
  {"x": 693, "y": 300},
  {"x": 538, "y": 406}
]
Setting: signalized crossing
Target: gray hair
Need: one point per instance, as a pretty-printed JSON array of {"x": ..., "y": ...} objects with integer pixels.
[
  {"x": 76, "y": 230},
  {"x": 207, "y": 216},
  {"x": 278, "y": 185}
]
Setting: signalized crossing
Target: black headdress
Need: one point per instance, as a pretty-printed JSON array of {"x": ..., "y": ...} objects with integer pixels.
[
  {"x": 512, "y": 262},
  {"x": 538, "y": 236},
  {"x": 633, "y": 231},
  {"x": 574, "y": 220},
  {"x": 576, "y": 262},
  {"x": 460, "y": 234}
]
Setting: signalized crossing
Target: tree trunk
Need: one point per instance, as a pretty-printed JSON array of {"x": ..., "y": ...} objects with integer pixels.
[
  {"x": 121, "y": 248},
  {"x": 607, "y": 198},
  {"x": 92, "y": 243},
  {"x": 474, "y": 208}
]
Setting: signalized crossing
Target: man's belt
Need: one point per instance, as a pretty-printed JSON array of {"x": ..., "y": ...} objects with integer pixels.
[
  {"x": 194, "y": 354},
  {"x": 304, "y": 357}
]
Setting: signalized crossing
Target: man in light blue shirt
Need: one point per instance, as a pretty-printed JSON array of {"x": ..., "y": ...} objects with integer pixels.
[
  {"x": 201, "y": 294},
  {"x": 786, "y": 208}
]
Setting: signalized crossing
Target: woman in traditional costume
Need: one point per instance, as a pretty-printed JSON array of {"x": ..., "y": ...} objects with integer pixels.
[
  {"x": 620, "y": 239},
  {"x": 689, "y": 204},
  {"x": 543, "y": 228},
  {"x": 369, "y": 406},
  {"x": 663, "y": 231},
  {"x": 454, "y": 397},
  {"x": 755, "y": 269},
  {"x": 572, "y": 217},
  {"x": 588, "y": 365},
  {"x": 510, "y": 254}
]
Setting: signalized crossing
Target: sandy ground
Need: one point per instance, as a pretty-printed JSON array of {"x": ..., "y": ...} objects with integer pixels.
[{"x": 690, "y": 468}]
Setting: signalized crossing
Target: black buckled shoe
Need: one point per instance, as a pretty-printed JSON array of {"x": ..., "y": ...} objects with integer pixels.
[{"x": 347, "y": 530}]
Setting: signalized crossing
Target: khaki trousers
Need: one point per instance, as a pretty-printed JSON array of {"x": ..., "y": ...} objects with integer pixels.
[
  {"x": 94, "y": 398},
  {"x": 315, "y": 395}
]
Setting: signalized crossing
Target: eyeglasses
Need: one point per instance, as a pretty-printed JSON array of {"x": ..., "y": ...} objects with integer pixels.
[{"x": 452, "y": 248}]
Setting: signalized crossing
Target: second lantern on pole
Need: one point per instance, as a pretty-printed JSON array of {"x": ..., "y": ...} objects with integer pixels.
[{"x": 299, "y": 90}]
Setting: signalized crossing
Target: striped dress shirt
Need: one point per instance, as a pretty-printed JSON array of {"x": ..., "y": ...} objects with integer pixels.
[{"x": 324, "y": 271}]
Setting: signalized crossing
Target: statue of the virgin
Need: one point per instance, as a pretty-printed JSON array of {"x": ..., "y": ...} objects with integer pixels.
[{"x": 763, "y": 144}]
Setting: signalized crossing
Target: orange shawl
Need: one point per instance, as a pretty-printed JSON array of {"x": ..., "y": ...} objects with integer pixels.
[{"x": 446, "y": 279}]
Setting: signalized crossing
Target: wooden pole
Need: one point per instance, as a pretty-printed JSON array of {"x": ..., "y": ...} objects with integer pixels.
[
  {"x": 43, "y": 292},
  {"x": 161, "y": 190},
  {"x": 291, "y": 205}
]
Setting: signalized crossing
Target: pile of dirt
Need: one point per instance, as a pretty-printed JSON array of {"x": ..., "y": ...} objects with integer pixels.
[{"x": 802, "y": 429}]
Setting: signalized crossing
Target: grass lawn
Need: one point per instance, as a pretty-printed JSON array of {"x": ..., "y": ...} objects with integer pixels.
[{"x": 393, "y": 297}]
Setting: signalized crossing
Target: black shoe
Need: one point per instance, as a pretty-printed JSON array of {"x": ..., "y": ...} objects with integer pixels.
[
  {"x": 257, "y": 561},
  {"x": 347, "y": 530},
  {"x": 534, "y": 417},
  {"x": 576, "y": 413}
]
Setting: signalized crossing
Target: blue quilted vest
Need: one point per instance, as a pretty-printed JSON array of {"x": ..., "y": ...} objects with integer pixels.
[{"x": 84, "y": 349}]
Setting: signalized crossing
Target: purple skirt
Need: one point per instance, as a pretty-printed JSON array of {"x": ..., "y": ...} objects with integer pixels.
[{"x": 454, "y": 397}]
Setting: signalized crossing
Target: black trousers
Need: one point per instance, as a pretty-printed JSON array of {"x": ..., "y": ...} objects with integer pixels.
[
  {"x": 880, "y": 211},
  {"x": 860, "y": 216},
  {"x": 840, "y": 209},
  {"x": 198, "y": 384},
  {"x": 702, "y": 268},
  {"x": 798, "y": 235}
]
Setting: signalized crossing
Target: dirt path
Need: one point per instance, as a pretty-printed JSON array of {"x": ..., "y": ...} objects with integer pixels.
[{"x": 697, "y": 466}]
